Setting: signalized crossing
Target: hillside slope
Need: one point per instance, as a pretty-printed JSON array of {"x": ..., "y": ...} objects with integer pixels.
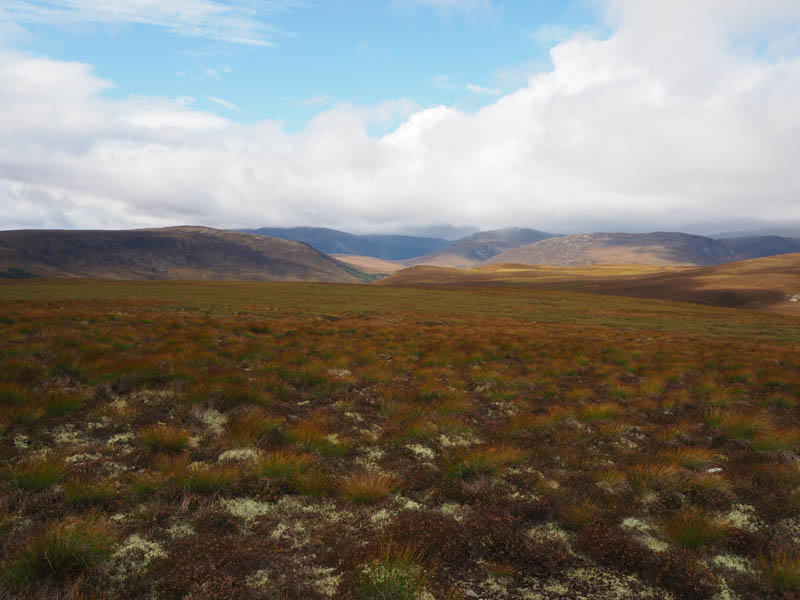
[
  {"x": 331, "y": 241},
  {"x": 771, "y": 284},
  {"x": 479, "y": 247},
  {"x": 659, "y": 248},
  {"x": 171, "y": 253}
]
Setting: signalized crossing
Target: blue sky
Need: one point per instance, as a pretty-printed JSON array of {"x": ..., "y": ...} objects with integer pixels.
[
  {"x": 400, "y": 115},
  {"x": 319, "y": 53}
]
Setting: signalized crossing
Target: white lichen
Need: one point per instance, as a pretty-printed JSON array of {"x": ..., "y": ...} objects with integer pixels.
[
  {"x": 421, "y": 452},
  {"x": 239, "y": 454},
  {"x": 134, "y": 557}
]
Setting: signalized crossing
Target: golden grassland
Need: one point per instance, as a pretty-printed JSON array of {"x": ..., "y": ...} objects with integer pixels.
[{"x": 245, "y": 440}]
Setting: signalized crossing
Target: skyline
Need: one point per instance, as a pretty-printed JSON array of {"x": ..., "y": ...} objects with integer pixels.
[{"x": 401, "y": 116}]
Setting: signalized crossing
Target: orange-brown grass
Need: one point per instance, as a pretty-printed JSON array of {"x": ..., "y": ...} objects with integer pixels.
[
  {"x": 482, "y": 461},
  {"x": 311, "y": 437},
  {"x": 646, "y": 478},
  {"x": 164, "y": 438},
  {"x": 182, "y": 475},
  {"x": 61, "y": 551},
  {"x": 598, "y": 412},
  {"x": 577, "y": 516},
  {"x": 694, "y": 459},
  {"x": 692, "y": 528},
  {"x": 250, "y": 424},
  {"x": 776, "y": 440},
  {"x": 37, "y": 474},
  {"x": 367, "y": 487},
  {"x": 498, "y": 409},
  {"x": 781, "y": 571},
  {"x": 282, "y": 464}
]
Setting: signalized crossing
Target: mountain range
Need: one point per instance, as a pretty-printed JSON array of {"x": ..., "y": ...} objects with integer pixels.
[
  {"x": 207, "y": 253},
  {"x": 331, "y": 241}
]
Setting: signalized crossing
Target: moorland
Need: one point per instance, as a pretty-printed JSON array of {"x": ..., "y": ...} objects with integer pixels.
[{"x": 307, "y": 440}]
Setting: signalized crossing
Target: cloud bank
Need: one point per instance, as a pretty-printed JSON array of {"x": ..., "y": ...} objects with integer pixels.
[{"x": 682, "y": 118}]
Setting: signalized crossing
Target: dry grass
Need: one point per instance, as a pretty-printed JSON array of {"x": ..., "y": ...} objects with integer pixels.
[
  {"x": 264, "y": 431},
  {"x": 367, "y": 488},
  {"x": 164, "y": 438}
]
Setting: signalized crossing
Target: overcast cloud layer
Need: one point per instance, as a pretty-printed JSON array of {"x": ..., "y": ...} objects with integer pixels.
[{"x": 682, "y": 118}]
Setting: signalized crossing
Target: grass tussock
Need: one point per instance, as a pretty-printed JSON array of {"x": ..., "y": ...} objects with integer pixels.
[
  {"x": 396, "y": 575},
  {"x": 38, "y": 474},
  {"x": 691, "y": 528},
  {"x": 165, "y": 438},
  {"x": 282, "y": 465},
  {"x": 61, "y": 551},
  {"x": 367, "y": 488},
  {"x": 482, "y": 461},
  {"x": 781, "y": 572}
]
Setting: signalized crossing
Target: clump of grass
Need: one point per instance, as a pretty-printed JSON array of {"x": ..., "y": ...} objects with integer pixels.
[
  {"x": 577, "y": 516},
  {"x": 60, "y": 404},
  {"x": 692, "y": 528},
  {"x": 248, "y": 426},
  {"x": 207, "y": 479},
  {"x": 740, "y": 426},
  {"x": 313, "y": 438},
  {"x": 781, "y": 572},
  {"x": 196, "y": 478},
  {"x": 397, "y": 575},
  {"x": 598, "y": 412},
  {"x": 453, "y": 404},
  {"x": 312, "y": 483},
  {"x": 647, "y": 478},
  {"x": 164, "y": 438},
  {"x": 693, "y": 459},
  {"x": 367, "y": 488},
  {"x": 482, "y": 461},
  {"x": 282, "y": 465},
  {"x": 81, "y": 493},
  {"x": 776, "y": 441},
  {"x": 37, "y": 475},
  {"x": 62, "y": 551}
]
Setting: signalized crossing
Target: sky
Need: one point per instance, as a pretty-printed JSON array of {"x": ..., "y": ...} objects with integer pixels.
[{"x": 400, "y": 116}]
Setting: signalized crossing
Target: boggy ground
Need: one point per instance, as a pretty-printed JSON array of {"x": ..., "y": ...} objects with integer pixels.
[{"x": 179, "y": 440}]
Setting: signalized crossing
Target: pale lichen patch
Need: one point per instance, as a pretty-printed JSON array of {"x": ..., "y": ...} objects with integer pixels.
[
  {"x": 239, "y": 454},
  {"x": 734, "y": 563},
  {"x": 743, "y": 516},
  {"x": 421, "y": 452},
  {"x": 21, "y": 442},
  {"x": 644, "y": 534},
  {"x": 326, "y": 580},
  {"x": 247, "y": 509},
  {"x": 457, "y": 440},
  {"x": 68, "y": 435},
  {"x": 457, "y": 511},
  {"x": 213, "y": 420},
  {"x": 180, "y": 530},
  {"x": 82, "y": 458},
  {"x": 134, "y": 557}
]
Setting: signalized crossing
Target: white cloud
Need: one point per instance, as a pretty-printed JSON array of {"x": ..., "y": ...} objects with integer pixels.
[
  {"x": 666, "y": 123},
  {"x": 223, "y": 103},
  {"x": 477, "y": 89},
  {"x": 240, "y": 22},
  {"x": 443, "y": 82}
]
